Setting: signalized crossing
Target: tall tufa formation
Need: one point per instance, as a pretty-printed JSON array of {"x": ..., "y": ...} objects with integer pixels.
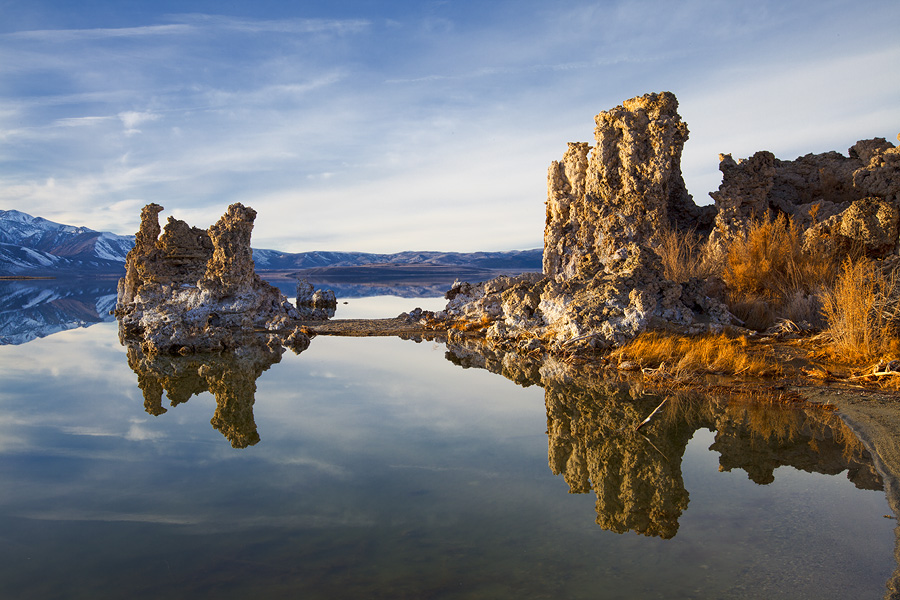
[
  {"x": 606, "y": 207},
  {"x": 627, "y": 189}
]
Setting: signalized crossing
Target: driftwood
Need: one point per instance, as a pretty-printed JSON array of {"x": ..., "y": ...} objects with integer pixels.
[
  {"x": 650, "y": 416},
  {"x": 876, "y": 374}
]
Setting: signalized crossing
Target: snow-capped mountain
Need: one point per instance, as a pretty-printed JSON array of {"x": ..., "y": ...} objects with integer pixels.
[
  {"x": 513, "y": 260},
  {"x": 35, "y": 246}
]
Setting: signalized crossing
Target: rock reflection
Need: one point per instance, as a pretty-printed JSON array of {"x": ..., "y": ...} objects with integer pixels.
[
  {"x": 230, "y": 377},
  {"x": 636, "y": 475}
]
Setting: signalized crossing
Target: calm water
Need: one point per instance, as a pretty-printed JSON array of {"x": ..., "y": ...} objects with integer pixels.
[{"x": 381, "y": 468}]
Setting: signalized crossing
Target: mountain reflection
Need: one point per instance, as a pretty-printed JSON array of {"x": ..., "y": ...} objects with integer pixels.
[
  {"x": 636, "y": 475},
  {"x": 31, "y": 309},
  {"x": 229, "y": 377}
]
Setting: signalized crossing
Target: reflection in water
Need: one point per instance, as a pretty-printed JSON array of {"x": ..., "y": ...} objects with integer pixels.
[
  {"x": 636, "y": 475},
  {"x": 230, "y": 377},
  {"x": 31, "y": 309},
  {"x": 416, "y": 505}
]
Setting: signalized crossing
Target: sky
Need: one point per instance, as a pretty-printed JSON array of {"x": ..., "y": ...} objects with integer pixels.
[{"x": 383, "y": 126}]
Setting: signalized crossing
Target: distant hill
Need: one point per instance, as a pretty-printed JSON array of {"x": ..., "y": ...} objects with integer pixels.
[
  {"x": 33, "y": 246},
  {"x": 513, "y": 261}
]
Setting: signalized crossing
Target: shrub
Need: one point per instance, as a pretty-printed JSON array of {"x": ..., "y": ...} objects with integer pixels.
[
  {"x": 861, "y": 310},
  {"x": 684, "y": 256},
  {"x": 769, "y": 275}
]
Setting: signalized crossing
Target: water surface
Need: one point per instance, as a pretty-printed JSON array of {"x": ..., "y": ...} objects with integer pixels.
[{"x": 378, "y": 468}]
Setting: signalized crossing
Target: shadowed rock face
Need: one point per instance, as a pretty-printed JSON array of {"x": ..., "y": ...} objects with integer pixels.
[
  {"x": 841, "y": 201},
  {"x": 190, "y": 290}
]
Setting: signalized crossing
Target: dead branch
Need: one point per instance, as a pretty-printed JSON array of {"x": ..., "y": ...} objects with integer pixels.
[{"x": 650, "y": 416}]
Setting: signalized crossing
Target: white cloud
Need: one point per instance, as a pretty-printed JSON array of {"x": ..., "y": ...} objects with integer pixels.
[
  {"x": 382, "y": 134},
  {"x": 131, "y": 119},
  {"x": 69, "y": 35}
]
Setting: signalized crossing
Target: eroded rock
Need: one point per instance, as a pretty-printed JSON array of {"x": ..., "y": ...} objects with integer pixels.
[
  {"x": 313, "y": 304},
  {"x": 190, "y": 290},
  {"x": 606, "y": 208},
  {"x": 841, "y": 202}
]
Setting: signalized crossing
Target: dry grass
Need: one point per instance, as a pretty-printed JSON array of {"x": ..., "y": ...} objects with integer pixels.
[
  {"x": 861, "y": 310},
  {"x": 769, "y": 276},
  {"x": 479, "y": 324},
  {"x": 685, "y": 257},
  {"x": 682, "y": 355},
  {"x": 768, "y": 262}
]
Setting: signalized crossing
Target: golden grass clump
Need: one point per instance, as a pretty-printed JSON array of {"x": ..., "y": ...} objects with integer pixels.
[
  {"x": 769, "y": 262},
  {"x": 769, "y": 276},
  {"x": 480, "y": 324},
  {"x": 684, "y": 256},
  {"x": 682, "y": 354},
  {"x": 861, "y": 310}
]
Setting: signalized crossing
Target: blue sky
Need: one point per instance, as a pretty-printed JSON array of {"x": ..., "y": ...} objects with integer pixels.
[{"x": 388, "y": 126}]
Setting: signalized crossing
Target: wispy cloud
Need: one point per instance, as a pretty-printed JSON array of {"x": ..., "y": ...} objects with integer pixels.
[
  {"x": 429, "y": 127},
  {"x": 294, "y": 26},
  {"x": 69, "y": 35}
]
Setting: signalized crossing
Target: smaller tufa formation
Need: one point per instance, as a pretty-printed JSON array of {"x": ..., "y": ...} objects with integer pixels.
[
  {"x": 190, "y": 290},
  {"x": 313, "y": 304}
]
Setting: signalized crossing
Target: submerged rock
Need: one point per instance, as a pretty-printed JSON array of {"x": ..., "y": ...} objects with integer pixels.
[{"x": 190, "y": 290}]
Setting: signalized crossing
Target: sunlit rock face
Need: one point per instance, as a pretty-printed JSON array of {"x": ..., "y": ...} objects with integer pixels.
[
  {"x": 606, "y": 209},
  {"x": 841, "y": 202},
  {"x": 229, "y": 376},
  {"x": 190, "y": 290},
  {"x": 626, "y": 190}
]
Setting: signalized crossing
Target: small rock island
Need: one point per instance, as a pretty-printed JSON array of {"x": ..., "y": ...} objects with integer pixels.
[{"x": 191, "y": 290}]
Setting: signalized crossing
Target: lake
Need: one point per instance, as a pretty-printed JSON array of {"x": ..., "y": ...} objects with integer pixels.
[{"x": 390, "y": 468}]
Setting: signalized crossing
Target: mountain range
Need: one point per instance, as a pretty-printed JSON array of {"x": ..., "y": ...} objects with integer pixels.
[{"x": 33, "y": 246}]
